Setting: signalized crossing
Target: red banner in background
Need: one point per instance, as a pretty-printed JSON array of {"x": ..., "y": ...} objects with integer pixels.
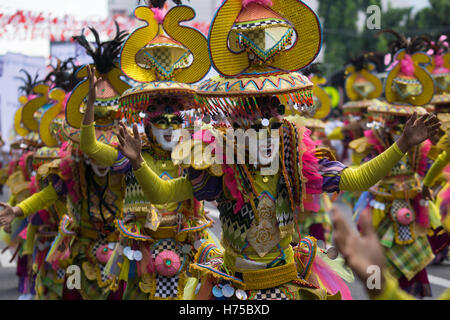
[{"x": 27, "y": 25}]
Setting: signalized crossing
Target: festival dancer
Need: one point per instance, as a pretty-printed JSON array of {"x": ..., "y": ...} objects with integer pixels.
[
  {"x": 362, "y": 87},
  {"x": 20, "y": 183},
  {"x": 94, "y": 194},
  {"x": 158, "y": 242},
  {"x": 249, "y": 42},
  {"x": 46, "y": 160},
  {"x": 399, "y": 212}
]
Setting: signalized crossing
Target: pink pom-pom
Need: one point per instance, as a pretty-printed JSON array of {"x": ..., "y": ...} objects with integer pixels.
[
  {"x": 167, "y": 263},
  {"x": 267, "y": 3},
  {"x": 159, "y": 15},
  {"x": 407, "y": 66}
]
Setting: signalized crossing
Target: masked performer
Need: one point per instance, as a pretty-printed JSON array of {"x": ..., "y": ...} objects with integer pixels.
[
  {"x": 252, "y": 46},
  {"x": 158, "y": 242},
  {"x": 94, "y": 194},
  {"x": 21, "y": 184},
  {"x": 399, "y": 212}
]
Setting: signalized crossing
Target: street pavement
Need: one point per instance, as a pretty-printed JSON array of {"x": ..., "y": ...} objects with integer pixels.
[{"x": 439, "y": 275}]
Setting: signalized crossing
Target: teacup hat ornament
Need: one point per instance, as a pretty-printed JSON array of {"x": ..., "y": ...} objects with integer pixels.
[
  {"x": 440, "y": 71},
  {"x": 258, "y": 47},
  {"x": 165, "y": 57},
  {"x": 409, "y": 87},
  {"x": 322, "y": 100},
  {"x": 362, "y": 86},
  {"x": 27, "y": 94},
  {"x": 109, "y": 89}
]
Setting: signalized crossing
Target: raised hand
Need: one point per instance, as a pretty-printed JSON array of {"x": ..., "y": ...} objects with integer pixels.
[
  {"x": 417, "y": 131},
  {"x": 89, "y": 115},
  {"x": 131, "y": 146},
  {"x": 8, "y": 214},
  {"x": 359, "y": 251}
]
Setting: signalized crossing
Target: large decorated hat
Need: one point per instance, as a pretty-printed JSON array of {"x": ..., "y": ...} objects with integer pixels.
[
  {"x": 362, "y": 85},
  {"x": 322, "y": 100},
  {"x": 165, "y": 57},
  {"x": 109, "y": 88},
  {"x": 408, "y": 84},
  {"x": 258, "y": 47},
  {"x": 62, "y": 80},
  {"x": 440, "y": 71}
]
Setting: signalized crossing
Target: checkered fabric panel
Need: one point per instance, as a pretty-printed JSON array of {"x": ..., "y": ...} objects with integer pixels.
[
  {"x": 60, "y": 273},
  {"x": 162, "y": 56},
  {"x": 105, "y": 103},
  {"x": 258, "y": 37},
  {"x": 270, "y": 294},
  {"x": 163, "y": 245},
  {"x": 243, "y": 26},
  {"x": 166, "y": 287},
  {"x": 404, "y": 233},
  {"x": 97, "y": 245}
]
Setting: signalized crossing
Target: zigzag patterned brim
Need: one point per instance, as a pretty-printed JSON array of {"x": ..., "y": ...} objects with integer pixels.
[
  {"x": 441, "y": 99},
  {"x": 383, "y": 107},
  {"x": 362, "y": 104},
  {"x": 138, "y": 98},
  {"x": 227, "y": 96}
]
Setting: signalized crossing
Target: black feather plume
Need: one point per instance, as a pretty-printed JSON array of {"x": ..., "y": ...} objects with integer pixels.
[
  {"x": 28, "y": 83},
  {"x": 104, "y": 54},
  {"x": 64, "y": 75}
]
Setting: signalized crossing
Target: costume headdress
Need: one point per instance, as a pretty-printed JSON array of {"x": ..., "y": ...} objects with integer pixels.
[
  {"x": 361, "y": 84},
  {"x": 322, "y": 100},
  {"x": 165, "y": 57},
  {"x": 110, "y": 87},
  {"x": 63, "y": 80},
  {"x": 257, "y": 47},
  {"x": 31, "y": 114},
  {"x": 408, "y": 85},
  {"x": 440, "y": 69},
  {"x": 26, "y": 91}
]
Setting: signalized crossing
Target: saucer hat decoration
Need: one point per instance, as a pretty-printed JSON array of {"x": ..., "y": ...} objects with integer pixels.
[
  {"x": 165, "y": 57},
  {"x": 409, "y": 83},
  {"x": 26, "y": 91},
  {"x": 258, "y": 47},
  {"x": 440, "y": 69},
  {"x": 362, "y": 85},
  {"x": 322, "y": 100},
  {"x": 109, "y": 88},
  {"x": 409, "y": 86},
  {"x": 111, "y": 85},
  {"x": 63, "y": 80}
]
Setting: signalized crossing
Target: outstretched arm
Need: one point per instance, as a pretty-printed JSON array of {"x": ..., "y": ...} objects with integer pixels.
[
  {"x": 157, "y": 190},
  {"x": 101, "y": 153},
  {"x": 416, "y": 132},
  {"x": 26, "y": 208}
]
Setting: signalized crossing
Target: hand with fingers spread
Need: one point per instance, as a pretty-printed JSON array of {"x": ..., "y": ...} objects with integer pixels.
[
  {"x": 89, "y": 115},
  {"x": 131, "y": 146},
  {"x": 359, "y": 251},
  {"x": 8, "y": 214},
  {"x": 418, "y": 130}
]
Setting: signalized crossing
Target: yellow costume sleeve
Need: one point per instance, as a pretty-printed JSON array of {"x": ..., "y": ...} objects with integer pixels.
[
  {"x": 39, "y": 201},
  {"x": 159, "y": 191},
  {"x": 336, "y": 134},
  {"x": 392, "y": 291},
  {"x": 103, "y": 154},
  {"x": 438, "y": 166},
  {"x": 367, "y": 175}
]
